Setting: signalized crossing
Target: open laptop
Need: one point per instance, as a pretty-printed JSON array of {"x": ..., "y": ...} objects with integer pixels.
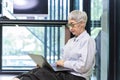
[{"x": 42, "y": 62}]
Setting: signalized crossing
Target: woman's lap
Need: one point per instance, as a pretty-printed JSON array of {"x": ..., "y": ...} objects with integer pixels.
[{"x": 46, "y": 74}]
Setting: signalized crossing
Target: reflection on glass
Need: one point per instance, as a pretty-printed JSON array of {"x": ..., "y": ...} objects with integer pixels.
[{"x": 100, "y": 31}]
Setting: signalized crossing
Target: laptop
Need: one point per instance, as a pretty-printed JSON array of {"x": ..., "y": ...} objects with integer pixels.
[{"x": 42, "y": 62}]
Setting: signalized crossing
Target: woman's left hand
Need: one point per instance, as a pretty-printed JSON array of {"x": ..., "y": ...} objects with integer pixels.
[{"x": 60, "y": 63}]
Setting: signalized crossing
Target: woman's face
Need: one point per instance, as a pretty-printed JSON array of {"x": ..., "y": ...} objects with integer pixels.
[{"x": 76, "y": 28}]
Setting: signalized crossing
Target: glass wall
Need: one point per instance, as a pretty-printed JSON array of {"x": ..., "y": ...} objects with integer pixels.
[
  {"x": 47, "y": 40},
  {"x": 18, "y": 42},
  {"x": 100, "y": 31}
]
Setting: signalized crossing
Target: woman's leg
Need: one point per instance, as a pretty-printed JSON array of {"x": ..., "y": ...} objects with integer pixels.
[
  {"x": 46, "y": 74},
  {"x": 40, "y": 73},
  {"x": 68, "y": 76}
]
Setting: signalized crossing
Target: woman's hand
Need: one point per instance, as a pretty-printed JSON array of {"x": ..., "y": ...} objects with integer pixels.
[
  {"x": 15, "y": 79},
  {"x": 37, "y": 66},
  {"x": 60, "y": 63}
]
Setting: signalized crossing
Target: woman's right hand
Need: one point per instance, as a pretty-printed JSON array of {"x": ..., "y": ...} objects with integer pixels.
[{"x": 37, "y": 66}]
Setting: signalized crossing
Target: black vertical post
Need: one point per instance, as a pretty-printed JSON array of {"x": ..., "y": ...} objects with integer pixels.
[
  {"x": 45, "y": 42},
  {"x": 113, "y": 40},
  {"x": 117, "y": 67},
  {"x": 87, "y": 8},
  {"x": 72, "y": 7},
  {"x": 114, "y": 64},
  {"x": 0, "y": 38},
  {"x": 0, "y": 48}
]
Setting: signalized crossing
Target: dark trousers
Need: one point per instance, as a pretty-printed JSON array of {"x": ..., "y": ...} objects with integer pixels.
[
  {"x": 68, "y": 76},
  {"x": 46, "y": 74}
]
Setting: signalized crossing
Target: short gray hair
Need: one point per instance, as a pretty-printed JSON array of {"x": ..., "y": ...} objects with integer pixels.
[{"x": 78, "y": 15}]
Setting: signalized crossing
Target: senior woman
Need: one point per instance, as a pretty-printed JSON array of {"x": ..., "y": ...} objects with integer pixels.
[{"x": 78, "y": 53}]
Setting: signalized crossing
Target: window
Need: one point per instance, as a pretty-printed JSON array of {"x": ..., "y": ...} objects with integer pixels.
[
  {"x": 18, "y": 42},
  {"x": 47, "y": 40}
]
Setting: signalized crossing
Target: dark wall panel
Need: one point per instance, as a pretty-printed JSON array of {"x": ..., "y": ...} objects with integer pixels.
[
  {"x": 118, "y": 36},
  {"x": 114, "y": 47}
]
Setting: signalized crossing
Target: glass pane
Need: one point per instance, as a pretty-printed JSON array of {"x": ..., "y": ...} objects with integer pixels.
[
  {"x": 18, "y": 42},
  {"x": 100, "y": 31}
]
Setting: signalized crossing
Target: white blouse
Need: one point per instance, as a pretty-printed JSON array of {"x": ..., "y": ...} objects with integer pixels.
[{"x": 79, "y": 55}]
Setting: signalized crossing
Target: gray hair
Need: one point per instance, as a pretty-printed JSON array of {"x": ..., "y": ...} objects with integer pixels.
[{"x": 78, "y": 16}]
